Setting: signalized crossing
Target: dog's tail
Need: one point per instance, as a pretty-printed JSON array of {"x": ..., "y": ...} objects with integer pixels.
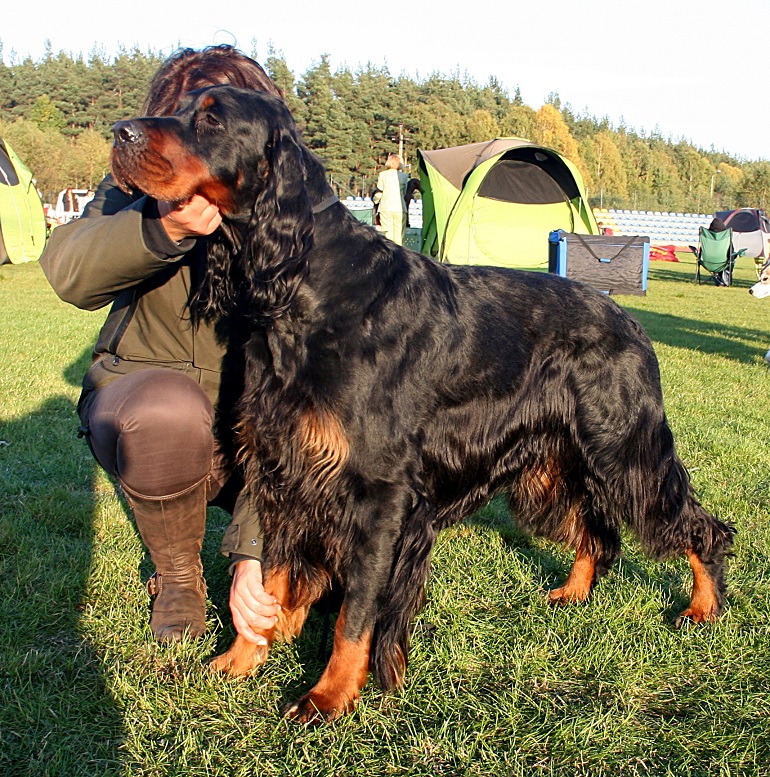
[{"x": 404, "y": 597}]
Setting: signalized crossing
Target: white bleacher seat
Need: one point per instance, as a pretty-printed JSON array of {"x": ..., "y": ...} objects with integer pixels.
[{"x": 663, "y": 227}]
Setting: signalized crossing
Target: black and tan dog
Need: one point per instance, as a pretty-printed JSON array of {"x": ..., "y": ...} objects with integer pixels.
[{"x": 388, "y": 396}]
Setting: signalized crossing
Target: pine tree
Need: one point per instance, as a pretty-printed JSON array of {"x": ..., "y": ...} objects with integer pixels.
[{"x": 278, "y": 70}]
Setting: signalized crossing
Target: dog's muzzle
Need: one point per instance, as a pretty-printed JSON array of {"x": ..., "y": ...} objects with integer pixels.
[{"x": 127, "y": 133}]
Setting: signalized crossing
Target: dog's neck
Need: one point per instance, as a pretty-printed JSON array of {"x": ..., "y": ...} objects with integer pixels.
[
  {"x": 327, "y": 203},
  {"x": 317, "y": 186}
]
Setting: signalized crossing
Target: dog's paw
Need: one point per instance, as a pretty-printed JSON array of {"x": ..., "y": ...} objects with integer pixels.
[
  {"x": 243, "y": 658},
  {"x": 568, "y": 594},
  {"x": 692, "y": 616},
  {"x": 314, "y": 708}
]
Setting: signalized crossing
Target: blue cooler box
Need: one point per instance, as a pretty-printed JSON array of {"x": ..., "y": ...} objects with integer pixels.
[{"x": 612, "y": 264}]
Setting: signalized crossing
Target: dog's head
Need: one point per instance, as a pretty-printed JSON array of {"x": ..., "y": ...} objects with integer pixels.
[
  {"x": 761, "y": 288},
  {"x": 239, "y": 149},
  {"x": 223, "y": 143}
]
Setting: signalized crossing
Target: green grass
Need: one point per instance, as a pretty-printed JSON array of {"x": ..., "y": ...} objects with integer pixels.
[{"x": 501, "y": 684}]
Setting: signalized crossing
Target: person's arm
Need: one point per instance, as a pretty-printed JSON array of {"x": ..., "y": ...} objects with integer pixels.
[
  {"x": 251, "y": 607},
  {"x": 119, "y": 242}
]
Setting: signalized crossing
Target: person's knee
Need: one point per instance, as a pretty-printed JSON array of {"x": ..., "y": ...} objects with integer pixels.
[
  {"x": 156, "y": 402},
  {"x": 160, "y": 425}
]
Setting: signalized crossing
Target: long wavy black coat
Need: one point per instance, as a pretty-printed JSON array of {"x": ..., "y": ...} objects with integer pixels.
[{"x": 388, "y": 396}]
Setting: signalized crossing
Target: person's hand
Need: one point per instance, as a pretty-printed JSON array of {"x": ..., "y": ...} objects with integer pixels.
[
  {"x": 190, "y": 218},
  {"x": 251, "y": 606}
]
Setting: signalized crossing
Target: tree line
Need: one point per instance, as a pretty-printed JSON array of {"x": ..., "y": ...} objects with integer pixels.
[{"x": 57, "y": 113}]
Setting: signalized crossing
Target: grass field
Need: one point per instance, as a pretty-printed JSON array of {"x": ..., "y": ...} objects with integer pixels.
[{"x": 499, "y": 683}]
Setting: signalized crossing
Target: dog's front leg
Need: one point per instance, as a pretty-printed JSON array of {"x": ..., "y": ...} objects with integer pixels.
[
  {"x": 339, "y": 687},
  {"x": 244, "y": 657},
  {"x": 380, "y": 518}
]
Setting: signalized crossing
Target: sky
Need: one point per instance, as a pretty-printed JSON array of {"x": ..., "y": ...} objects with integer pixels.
[{"x": 687, "y": 70}]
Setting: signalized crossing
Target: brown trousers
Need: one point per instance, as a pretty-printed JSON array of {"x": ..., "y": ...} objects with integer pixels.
[{"x": 152, "y": 429}]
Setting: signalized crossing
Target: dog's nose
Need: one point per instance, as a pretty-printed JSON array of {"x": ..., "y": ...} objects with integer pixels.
[{"x": 126, "y": 132}]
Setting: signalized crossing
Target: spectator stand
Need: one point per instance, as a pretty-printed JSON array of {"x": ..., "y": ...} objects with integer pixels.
[{"x": 667, "y": 232}]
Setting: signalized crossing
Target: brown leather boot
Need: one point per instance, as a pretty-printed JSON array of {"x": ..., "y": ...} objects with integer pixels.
[{"x": 172, "y": 530}]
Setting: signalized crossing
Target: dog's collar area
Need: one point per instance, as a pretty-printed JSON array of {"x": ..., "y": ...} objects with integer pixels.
[
  {"x": 243, "y": 218},
  {"x": 324, "y": 204}
]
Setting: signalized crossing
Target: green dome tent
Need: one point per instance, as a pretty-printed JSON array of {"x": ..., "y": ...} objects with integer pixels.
[
  {"x": 496, "y": 203},
  {"x": 22, "y": 220}
]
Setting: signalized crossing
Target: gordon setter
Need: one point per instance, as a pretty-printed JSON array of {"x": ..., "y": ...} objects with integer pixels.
[{"x": 388, "y": 396}]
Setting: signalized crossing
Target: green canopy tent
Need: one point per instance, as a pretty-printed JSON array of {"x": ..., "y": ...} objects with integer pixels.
[
  {"x": 496, "y": 203},
  {"x": 22, "y": 220}
]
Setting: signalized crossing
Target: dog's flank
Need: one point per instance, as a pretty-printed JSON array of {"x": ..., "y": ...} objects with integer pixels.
[{"x": 388, "y": 396}]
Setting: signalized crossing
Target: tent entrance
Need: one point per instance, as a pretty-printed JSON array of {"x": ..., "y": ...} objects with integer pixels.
[{"x": 530, "y": 177}]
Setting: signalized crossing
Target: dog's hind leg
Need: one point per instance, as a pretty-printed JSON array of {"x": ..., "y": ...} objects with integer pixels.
[
  {"x": 710, "y": 543},
  {"x": 672, "y": 523},
  {"x": 706, "y": 600},
  {"x": 594, "y": 538},
  {"x": 594, "y": 556},
  {"x": 244, "y": 657},
  {"x": 579, "y": 583}
]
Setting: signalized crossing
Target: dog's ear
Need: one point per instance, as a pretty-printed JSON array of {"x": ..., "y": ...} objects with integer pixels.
[{"x": 280, "y": 232}]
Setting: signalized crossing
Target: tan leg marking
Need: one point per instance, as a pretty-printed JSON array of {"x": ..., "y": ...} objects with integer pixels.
[
  {"x": 578, "y": 584},
  {"x": 245, "y": 658},
  {"x": 704, "y": 603},
  {"x": 322, "y": 440},
  {"x": 339, "y": 688}
]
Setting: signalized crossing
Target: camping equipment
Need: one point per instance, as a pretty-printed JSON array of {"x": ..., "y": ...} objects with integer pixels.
[
  {"x": 612, "y": 264},
  {"x": 716, "y": 254},
  {"x": 751, "y": 231},
  {"x": 22, "y": 220},
  {"x": 496, "y": 202}
]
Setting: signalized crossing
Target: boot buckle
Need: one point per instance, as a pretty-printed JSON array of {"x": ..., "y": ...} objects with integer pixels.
[{"x": 153, "y": 584}]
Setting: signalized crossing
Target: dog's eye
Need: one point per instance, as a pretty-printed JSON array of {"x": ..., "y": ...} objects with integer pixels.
[{"x": 207, "y": 121}]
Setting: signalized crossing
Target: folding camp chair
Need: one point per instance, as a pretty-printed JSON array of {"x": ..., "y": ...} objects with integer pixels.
[{"x": 716, "y": 255}]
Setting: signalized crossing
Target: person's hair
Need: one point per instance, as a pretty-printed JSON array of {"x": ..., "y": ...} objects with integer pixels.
[
  {"x": 189, "y": 69},
  {"x": 393, "y": 161},
  {"x": 717, "y": 225}
]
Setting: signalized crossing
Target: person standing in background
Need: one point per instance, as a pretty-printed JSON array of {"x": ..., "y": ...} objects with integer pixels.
[{"x": 391, "y": 184}]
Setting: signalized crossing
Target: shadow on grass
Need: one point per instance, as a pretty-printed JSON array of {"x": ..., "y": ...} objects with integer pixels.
[
  {"x": 687, "y": 280},
  {"x": 57, "y": 714},
  {"x": 738, "y": 343}
]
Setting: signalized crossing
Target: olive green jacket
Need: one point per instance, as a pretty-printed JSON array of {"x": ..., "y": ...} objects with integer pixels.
[{"x": 118, "y": 252}]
